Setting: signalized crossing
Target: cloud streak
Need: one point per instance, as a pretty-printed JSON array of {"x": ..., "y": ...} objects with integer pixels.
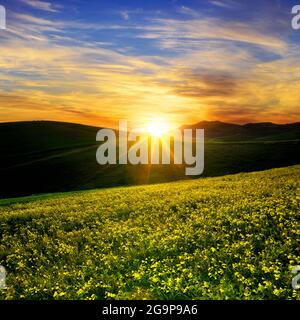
[
  {"x": 188, "y": 67},
  {"x": 41, "y": 5}
]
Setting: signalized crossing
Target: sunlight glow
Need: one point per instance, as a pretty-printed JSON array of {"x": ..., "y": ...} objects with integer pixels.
[{"x": 157, "y": 128}]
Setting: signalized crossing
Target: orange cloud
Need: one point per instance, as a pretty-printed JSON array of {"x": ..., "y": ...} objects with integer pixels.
[{"x": 53, "y": 78}]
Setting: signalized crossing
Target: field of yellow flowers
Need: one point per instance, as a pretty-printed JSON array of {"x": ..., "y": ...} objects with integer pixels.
[{"x": 231, "y": 237}]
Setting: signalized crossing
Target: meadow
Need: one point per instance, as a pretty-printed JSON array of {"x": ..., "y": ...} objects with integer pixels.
[{"x": 230, "y": 237}]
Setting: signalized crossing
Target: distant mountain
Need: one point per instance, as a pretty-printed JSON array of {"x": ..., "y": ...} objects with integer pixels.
[{"x": 251, "y": 131}]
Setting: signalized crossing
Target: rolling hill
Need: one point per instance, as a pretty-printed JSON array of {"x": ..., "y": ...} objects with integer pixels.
[
  {"x": 230, "y": 237},
  {"x": 44, "y": 156}
]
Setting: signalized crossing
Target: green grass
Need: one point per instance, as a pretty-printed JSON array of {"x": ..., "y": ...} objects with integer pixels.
[
  {"x": 77, "y": 169},
  {"x": 231, "y": 237}
]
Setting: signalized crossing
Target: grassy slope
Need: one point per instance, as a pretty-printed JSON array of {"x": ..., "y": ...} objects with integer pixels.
[
  {"x": 227, "y": 237},
  {"x": 38, "y": 157}
]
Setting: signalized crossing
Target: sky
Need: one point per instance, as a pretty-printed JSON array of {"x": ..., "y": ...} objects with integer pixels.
[{"x": 96, "y": 62}]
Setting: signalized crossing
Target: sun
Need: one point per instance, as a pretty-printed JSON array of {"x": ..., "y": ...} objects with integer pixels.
[{"x": 157, "y": 128}]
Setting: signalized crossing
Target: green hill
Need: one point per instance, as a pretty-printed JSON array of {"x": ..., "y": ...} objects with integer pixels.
[
  {"x": 44, "y": 156},
  {"x": 231, "y": 237}
]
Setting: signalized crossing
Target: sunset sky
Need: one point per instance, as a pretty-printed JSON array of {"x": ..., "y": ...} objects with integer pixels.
[{"x": 95, "y": 62}]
